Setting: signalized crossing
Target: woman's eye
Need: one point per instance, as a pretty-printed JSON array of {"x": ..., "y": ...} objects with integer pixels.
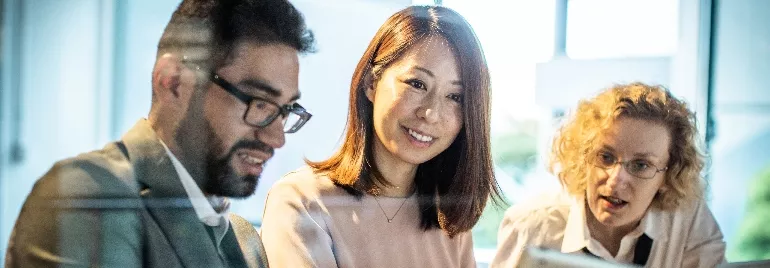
[
  {"x": 639, "y": 165},
  {"x": 416, "y": 83},
  {"x": 606, "y": 159},
  {"x": 456, "y": 97}
]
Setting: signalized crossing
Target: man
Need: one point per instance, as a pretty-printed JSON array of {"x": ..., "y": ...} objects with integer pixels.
[{"x": 224, "y": 93}]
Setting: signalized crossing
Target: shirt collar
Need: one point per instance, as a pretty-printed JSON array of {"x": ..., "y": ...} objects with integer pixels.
[
  {"x": 576, "y": 233},
  {"x": 203, "y": 206}
]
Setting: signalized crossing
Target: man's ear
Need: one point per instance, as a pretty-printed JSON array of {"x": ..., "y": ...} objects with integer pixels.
[{"x": 166, "y": 76}]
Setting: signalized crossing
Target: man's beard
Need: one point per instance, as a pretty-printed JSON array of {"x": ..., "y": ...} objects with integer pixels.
[
  {"x": 218, "y": 175},
  {"x": 222, "y": 180}
]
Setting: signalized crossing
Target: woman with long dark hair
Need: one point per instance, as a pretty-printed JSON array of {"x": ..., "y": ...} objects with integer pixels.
[{"x": 414, "y": 172}]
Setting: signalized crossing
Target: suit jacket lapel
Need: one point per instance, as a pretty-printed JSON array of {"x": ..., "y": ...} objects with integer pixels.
[
  {"x": 249, "y": 242},
  {"x": 166, "y": 200},
  {"x": 233, "y": 252}
]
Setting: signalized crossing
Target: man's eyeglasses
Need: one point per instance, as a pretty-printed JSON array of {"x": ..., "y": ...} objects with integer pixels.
[
  {"x": 639, "y": 168},
  {"x": 261, "y": 112}
]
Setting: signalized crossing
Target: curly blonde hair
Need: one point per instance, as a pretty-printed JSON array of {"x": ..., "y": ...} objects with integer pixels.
[{"x": 576, "y": 141}]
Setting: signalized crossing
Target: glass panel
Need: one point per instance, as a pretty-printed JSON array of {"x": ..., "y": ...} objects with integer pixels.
[
  {"x": 515, "y": 35},
  {"x": 622, "y": 28}
]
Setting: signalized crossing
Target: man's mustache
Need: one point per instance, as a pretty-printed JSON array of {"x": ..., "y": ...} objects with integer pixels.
[{"x": 251, "y": 145}]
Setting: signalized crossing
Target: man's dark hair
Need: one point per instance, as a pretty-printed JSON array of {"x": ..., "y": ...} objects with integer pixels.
[{"x": 205, "y": 31}]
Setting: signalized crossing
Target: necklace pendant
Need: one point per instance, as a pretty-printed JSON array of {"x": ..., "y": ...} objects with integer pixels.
[{"x": 390, "y": 220}]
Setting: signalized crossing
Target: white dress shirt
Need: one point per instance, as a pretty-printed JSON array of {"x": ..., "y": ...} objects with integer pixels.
[
  {"x": 203, "y": 206},
  {"x": 685, "y": 237}
]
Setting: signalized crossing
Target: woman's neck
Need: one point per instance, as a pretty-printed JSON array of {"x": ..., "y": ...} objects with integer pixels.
[
  {"x": 398, "y": 175},
  {"x": 608, "y": 236}
]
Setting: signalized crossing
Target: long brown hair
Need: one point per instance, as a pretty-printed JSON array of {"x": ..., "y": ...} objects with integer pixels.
[{"x": 454, "y": 186}]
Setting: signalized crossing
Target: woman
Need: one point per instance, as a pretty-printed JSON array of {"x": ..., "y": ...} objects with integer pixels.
[
  {"x": 629, "y": 162},
  {"x": 415, "y": 170}
]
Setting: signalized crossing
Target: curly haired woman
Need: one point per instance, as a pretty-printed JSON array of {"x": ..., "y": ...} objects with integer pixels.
[{"x": 629, "y": 164}]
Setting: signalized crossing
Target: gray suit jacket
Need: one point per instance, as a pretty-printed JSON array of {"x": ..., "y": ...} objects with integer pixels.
[{"x": 122, "y": 206}]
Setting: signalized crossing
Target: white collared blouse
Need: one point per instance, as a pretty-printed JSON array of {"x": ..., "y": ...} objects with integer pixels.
[{"x": 685, "y": 237}]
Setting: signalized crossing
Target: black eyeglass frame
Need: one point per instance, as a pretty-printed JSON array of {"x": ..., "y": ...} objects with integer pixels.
[{"x": 283, "y": 110}]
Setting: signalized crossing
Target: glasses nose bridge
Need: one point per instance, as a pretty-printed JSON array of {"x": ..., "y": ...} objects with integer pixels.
[
  {"x": 621, "y": 166},
  {"x": 636, "y": 174}
]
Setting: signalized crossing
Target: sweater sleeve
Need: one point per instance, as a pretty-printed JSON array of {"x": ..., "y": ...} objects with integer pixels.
[{"x": 293, "y": 230}]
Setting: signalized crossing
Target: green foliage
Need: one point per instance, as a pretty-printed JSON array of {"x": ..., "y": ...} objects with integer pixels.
[
  {"x": 485, "y": 231},
  {"x": 753, "y": 239},
  {"x": 514, "y": 151}
]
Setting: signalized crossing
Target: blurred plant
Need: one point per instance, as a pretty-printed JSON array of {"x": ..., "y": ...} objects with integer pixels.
[
  {"x": 485, "y": 231},
  {"x": 514, "y": 149},
  {"x": 753, "y": 239}
]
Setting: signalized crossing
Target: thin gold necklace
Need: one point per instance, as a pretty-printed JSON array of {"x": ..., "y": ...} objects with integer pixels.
[{"x": 390, "y": 219}]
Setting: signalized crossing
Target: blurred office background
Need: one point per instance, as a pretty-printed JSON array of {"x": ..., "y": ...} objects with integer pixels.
[{"x": 75, "y": 75}]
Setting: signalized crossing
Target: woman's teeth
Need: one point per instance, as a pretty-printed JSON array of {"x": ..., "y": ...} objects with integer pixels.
[
  {"x": 614, "y": 201},
  {"x": 419, "y": 137}
]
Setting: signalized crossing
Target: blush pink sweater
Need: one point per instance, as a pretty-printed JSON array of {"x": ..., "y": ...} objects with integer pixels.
[{"x": 310, "y": 222}]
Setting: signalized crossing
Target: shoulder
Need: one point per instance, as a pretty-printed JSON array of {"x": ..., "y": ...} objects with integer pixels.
[
  {"x": 295, "y": 206},
  {"x": 305, "y": 179},
  {"x": 684, "y": 215},
  {"x": 101, "y": 173},
  {"x": 694, "y": 219},
  {"x": 548, "y": 210},
  {"x": 304, "y": 184},
  {"x": 539, "y": 221},
  {"x": 304, "y": 176}
]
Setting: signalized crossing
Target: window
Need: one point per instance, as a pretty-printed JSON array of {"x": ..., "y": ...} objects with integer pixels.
[
  {"x": 621, "y": 28},
  {"x": 517, "y": 35}
]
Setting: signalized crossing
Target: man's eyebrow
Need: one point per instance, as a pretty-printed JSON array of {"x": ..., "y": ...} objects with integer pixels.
[{"x": 266, "y": 88}]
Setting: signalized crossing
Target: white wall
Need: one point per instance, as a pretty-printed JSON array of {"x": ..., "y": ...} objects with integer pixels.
[
  {"x": 139, "y": 25},
  {"x": 52, "y": 61}
]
